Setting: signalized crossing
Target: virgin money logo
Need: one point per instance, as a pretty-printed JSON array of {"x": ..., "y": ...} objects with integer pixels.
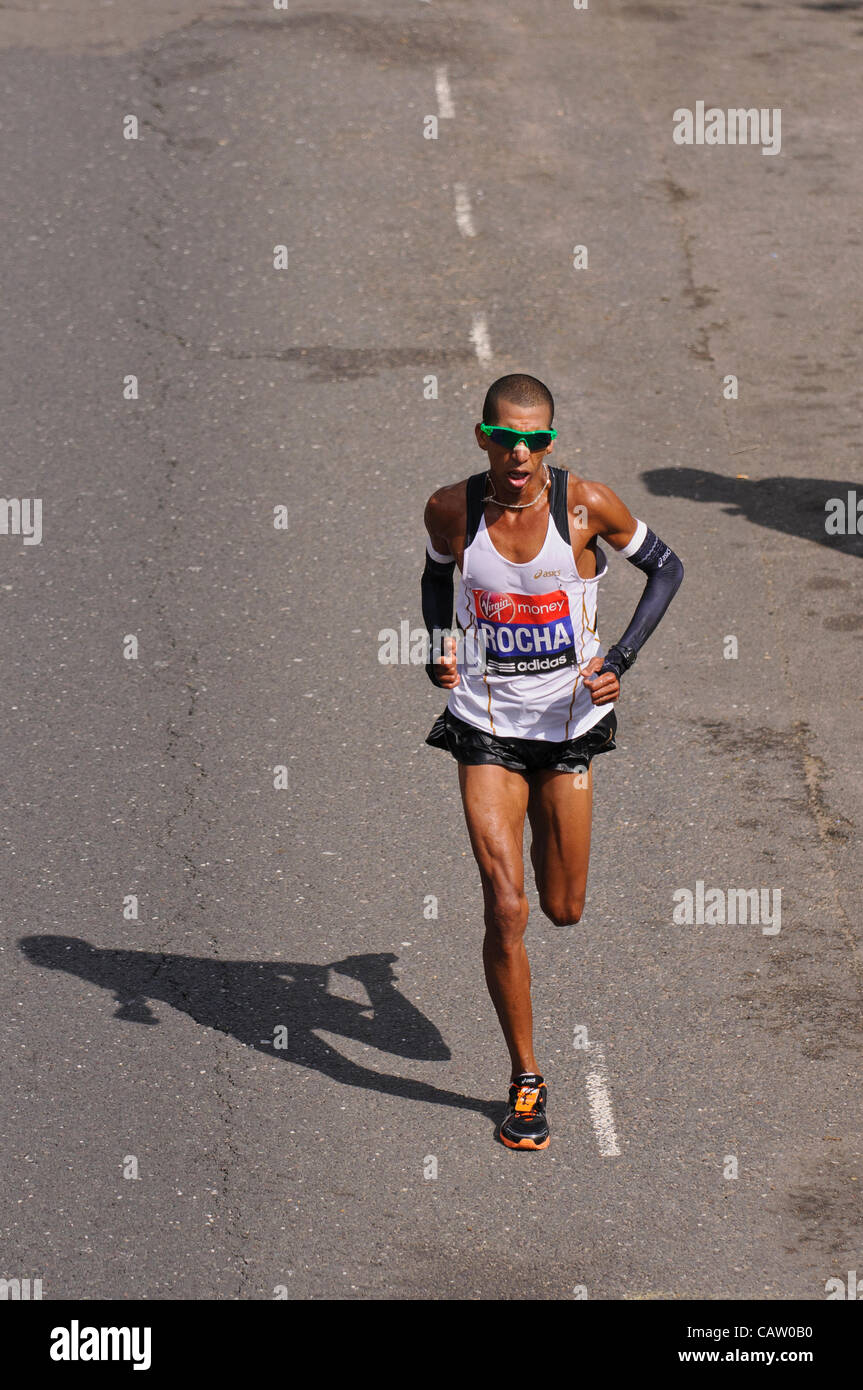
[{"x": 499, "y": 607}]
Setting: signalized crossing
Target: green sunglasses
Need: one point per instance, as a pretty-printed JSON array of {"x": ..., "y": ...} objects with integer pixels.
[{"x": 536, "y": 440}]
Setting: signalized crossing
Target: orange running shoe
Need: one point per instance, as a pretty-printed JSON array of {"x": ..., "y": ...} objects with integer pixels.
[{"x": 525, "y": 1125}]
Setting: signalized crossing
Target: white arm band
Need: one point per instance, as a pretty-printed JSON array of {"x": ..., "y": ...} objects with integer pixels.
[
  {"x": 436, "y": 555},
  {"x": 637, "y": 540}
]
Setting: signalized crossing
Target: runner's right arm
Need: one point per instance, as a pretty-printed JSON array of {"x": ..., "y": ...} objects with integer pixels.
[{"x": 437, "y": 597}]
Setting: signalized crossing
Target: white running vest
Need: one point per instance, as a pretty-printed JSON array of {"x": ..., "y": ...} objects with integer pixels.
[{"x": 536, "y": 625}]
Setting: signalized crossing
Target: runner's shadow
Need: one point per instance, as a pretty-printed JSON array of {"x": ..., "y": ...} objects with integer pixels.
[
  {"x": 251, "y": 999},
  {"x": 794, "y": 506}
]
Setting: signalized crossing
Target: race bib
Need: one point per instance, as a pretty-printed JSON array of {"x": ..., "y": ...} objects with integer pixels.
[{"x": 524, "y": 634}]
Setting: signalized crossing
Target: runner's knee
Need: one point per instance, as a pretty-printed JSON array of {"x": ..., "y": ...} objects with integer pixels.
[
  {"x": 506, "y": 913},
  {"x": 563, "y": 913}
]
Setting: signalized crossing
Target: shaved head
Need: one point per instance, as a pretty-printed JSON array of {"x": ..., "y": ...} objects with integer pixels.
[{"x": 518, "y": 389}]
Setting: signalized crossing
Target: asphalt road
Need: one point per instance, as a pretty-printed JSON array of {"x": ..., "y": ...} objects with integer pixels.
[{"x": 285, "y": 1036}]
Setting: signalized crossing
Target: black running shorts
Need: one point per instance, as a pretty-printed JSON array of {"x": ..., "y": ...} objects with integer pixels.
[{"x": 474, "y": 746}]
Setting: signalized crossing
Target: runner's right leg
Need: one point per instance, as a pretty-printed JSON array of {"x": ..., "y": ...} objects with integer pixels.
[{"x": 495, "y": 802}]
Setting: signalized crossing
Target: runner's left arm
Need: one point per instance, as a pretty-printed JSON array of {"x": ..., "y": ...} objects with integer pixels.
[{"x": 641, "y": 547}]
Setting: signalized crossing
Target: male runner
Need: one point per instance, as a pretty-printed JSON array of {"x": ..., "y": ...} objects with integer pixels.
[{"x": 531, "y": 697}]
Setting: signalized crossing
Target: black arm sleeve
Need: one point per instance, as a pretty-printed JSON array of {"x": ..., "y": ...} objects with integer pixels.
[
  {"x": 664, "y": 577},
  {"x": 437, "y": 599}
]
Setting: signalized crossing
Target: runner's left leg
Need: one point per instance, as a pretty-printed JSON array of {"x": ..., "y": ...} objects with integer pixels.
[{"x": 559, "y": 809}]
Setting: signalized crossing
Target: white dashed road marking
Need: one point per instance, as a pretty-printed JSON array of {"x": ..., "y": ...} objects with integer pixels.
[
  {"x": 480, "y": 339},
  {"x": 445, "y": 108},
  {"x": 599, "y": 1100},
  {"x": 463, "y": 214}
]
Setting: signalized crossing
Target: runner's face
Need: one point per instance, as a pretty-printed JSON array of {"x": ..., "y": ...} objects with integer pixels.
[{"x": 513, "y": 469}]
